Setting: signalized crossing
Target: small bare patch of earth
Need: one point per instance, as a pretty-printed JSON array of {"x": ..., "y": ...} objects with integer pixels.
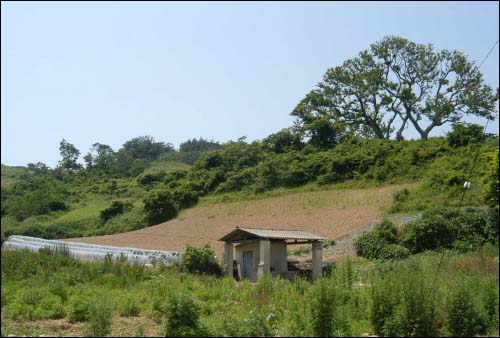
[{"x": 120, "y": 327}]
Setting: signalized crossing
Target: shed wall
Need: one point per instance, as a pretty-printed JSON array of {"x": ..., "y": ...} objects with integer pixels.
[
  {"x": 254, "y": 247},
  {"x": 278, "y": 258}
]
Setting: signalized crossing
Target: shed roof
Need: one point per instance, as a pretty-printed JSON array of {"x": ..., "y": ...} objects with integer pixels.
[{"x": 248, "y": 233}]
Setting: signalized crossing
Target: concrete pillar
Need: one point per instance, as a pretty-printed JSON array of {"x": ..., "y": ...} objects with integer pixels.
[
  {"x": 228, "y": 258},
  {"x": 264, "y": 258},
  {"x": 317, "y": 259}
]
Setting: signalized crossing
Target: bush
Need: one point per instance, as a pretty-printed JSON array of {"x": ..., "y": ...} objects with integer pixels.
[
  {"x": 491, "y": 180},
  {"x": 99, "y": 319},
  {"x": 116, "y": 208},
  {"x": 429, "y": 233},
  {"x": 373, "y": 244},
  {"x": 323, "y": 309},
  {"x": 34, "y": 304},
  {"x": 182, "y": 318},
  {"x": 462, "y": 135},
  {"x": 151, "y": 177},
  {"x": 445, "y": 228},
  {"x": 393, "y": 251},
  {"x": 159, "y": 207},
  {"x": 128, "y": 307},
  {"x": 403, "y": 303},
  {"x": 201, "y": 260},
  {"x": 463, "y": 320},
  {"x": 79, "y": 309},
  {"x": 185, "y": 196}
]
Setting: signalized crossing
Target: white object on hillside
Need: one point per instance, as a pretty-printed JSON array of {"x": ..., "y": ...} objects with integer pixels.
[
  {"x": 467, "y": 185},
  {"x": 93, "y": 251}
]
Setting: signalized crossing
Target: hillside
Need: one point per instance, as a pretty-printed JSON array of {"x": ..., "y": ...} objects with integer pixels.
[
  {"x": 119, "y": 197},
  {"x": 330, "y": 213},
  {"x": 11, "y": 174}
]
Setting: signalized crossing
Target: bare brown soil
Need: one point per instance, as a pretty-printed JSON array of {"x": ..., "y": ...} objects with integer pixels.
[{"x": 334, "y": 214}]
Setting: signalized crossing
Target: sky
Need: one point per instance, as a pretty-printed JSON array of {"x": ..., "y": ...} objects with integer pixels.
[{"x": 110, "y": 71}]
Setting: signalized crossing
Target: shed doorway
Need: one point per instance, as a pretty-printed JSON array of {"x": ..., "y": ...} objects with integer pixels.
[{"x": 247, "y": 264}]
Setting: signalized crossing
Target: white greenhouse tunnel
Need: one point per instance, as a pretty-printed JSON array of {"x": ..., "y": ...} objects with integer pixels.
[{"x": 93, "y": 252}]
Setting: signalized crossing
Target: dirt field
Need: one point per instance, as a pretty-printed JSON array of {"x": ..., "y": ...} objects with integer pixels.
[{"x": 332, "y": 214}]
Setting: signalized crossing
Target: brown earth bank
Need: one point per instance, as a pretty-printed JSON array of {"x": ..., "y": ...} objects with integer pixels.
[{"x": 329, "y": 213}]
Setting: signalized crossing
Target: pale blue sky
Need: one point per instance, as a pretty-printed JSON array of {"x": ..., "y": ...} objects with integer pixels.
[{"x": 109, "y": 71}]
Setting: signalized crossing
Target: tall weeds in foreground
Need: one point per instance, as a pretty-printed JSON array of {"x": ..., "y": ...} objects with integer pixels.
[
  {"x": 403, "y": 301},
  {"x": 99, "y": 320},
  {"x": 402, "y": 298}
]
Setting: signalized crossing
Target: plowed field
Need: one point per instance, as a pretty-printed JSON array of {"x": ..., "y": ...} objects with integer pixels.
[{"x": 329, "y": 213}]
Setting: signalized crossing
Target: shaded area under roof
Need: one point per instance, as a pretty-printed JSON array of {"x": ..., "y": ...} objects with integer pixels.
[{"x": 240, "y": 234}]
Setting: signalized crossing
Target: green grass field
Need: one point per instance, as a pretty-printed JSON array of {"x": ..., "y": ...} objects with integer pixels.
[{"x": 427, "y": 294}]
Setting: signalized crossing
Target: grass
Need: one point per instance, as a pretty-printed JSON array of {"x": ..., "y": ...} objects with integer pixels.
[
  {"x": 167, "y": 165},
  {"x": 294, "y": 200},
  {"x": 10, "y": 175},
  {"x": 272, "y": 306}
]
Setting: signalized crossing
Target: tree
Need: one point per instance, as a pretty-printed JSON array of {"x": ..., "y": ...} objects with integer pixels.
[
  {"x": 395, "y": 84},
  {"x": 198, "y": 145},
  {"x": 282, "y": 141},
  {"x": 101, "y": 158},
  {"x": 462, "y": 135},
  {"x": 69, "y": 155},
  {"x": 145, "y": 148},
  {"x": 39, "y": 168}
]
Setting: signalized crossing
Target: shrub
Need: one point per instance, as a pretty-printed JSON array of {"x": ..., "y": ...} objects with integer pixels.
[
  {"x": 185, "y": 196},
  {"x": 182, "y": 318},
  {"x": 201, "y": 260},
  {"x": 35, "y": 303},
  {"x": 255, "y": 324},
  {"x": 151, "y": 177},
  {"x": 429, "y": 233},
  {"x": 116, "y": 208},
  {"x": 372, "y": 244},
  {"x": 79, "y": 308},
  {"x": 463, "y": 320},
  {"x": 491, "y": 180},
  {"x": 128, "y": 307},
  {"x": 393, "y": 251},
  {"x": 323, "y": 309},
  {"x": 445, "y": 228},
  {"x": 403, "y": 303},
  {"x": 99, "y": 318},
  {"x": 159, "y": 207},
  {"x": 462, "y": 135}
]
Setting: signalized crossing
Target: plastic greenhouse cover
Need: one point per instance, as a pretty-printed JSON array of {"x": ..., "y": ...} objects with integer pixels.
[{"x": 93, "y": 251}]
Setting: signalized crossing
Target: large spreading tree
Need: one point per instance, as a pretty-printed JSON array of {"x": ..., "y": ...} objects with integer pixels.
[{"x": 394, "y": 85}]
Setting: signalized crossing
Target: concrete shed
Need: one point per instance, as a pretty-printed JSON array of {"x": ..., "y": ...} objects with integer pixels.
[{"x": 260, "y": 251}]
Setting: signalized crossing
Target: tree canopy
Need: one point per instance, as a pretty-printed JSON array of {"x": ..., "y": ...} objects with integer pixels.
[
  {"x": 69, "y": 155},
  {"x": 395, "y": 84}
]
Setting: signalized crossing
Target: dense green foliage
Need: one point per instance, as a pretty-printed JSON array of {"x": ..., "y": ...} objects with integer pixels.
[
  {"x": 438, "y": 228},
  {"x": 491, "y": 179},
  {"x": 424, "y": 295},
  {"x": 183, "y": 318},
  {"x": 159, "y": 207},
  {"x": 381, "y": 243},
  {"x": 201, "y": 261},
  {"x": 53, "y": 203}
]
